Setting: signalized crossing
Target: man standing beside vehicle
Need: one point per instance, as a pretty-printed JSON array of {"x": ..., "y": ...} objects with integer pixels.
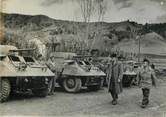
[
  {"x": 115, "y": 75},
  {"x": 51, "y": 66},
  {"x": 147, "y": 78}
]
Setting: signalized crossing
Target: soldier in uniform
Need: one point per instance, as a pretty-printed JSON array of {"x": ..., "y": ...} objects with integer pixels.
[
  {"x": 40, "y": 59},
  {"x": 51, "y": 66},
  {"x": 115, "y": 75},
  {"x": 147, "y": 78}
]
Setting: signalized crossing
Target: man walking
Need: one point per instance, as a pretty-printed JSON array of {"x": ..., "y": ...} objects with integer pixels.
[
  {"x": 147, "y": 78},
  {"x": 115, "y": 75}
]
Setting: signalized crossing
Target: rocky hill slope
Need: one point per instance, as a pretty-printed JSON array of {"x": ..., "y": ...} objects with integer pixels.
[{"x": 76, "y": 36}]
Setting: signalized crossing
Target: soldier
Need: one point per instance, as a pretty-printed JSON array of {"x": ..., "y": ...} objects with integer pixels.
[
  {"x": 114, "y": 75},
  {"x": 42, "y": 61},
  {"x": 51, "y": 66},
  {"x": 147, "y": 78}
]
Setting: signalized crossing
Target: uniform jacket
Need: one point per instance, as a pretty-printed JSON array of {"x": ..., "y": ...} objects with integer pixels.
[
  {"x": 147, "y": 77},
  {"x": 115, "y": 73},
  {"x": 51, "y": 66}
]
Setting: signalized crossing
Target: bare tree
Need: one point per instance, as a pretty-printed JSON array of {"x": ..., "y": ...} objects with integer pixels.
[
  {"x": 87, "y": 9},
  {"x": 101, "y": 6}
]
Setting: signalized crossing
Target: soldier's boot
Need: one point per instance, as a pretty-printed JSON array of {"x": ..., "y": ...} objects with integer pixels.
[
  {"x": 147, "y": 92},
  {"x": 145, "y": 100},
  {"x": 114, "y": 101},
  {"x": 144, "y": 103},
  {"x": 51, "y": 87}
]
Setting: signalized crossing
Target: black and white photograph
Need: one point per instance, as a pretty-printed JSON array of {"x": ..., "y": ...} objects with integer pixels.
[{"x": 83, "y": 58}]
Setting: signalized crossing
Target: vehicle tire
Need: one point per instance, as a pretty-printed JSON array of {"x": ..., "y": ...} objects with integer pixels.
[
  {"x": 94, "y": 87},
  {"x": 72, "y": 85},
  {"x": 40, "y": 92},
  {"x": 5, "y": 91}
]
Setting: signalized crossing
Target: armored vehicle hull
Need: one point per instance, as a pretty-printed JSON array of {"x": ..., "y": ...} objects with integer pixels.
[
  {"x": 21, "y": 73},
  {"x": 74, "y": 72},
  {"x": 130, "y": 73}
]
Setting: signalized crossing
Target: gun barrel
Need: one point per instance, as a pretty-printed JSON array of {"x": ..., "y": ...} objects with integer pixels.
[{"x": 19, "y": 50}]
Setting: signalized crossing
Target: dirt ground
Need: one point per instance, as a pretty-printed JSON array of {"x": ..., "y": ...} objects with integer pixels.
[{"x": 88, "y": 103}]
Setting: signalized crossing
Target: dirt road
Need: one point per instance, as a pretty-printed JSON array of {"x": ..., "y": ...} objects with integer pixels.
[{"x": 87, "y": 103}]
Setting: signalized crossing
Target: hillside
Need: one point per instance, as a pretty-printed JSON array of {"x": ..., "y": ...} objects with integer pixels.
[
  {"x": 74, "y": 36},
  {"x": 150, "y": 43}
]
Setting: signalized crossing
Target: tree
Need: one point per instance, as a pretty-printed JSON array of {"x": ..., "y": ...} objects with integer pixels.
[
  {"x": 88, "y": 7},
  {"x": 101, "y": 9}
]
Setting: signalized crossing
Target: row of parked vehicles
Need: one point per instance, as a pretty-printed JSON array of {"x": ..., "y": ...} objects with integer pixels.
[{"x": 19, "y": 73}]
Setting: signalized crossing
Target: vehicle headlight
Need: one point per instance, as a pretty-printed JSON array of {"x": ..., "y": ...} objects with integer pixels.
[
  {"x": 26, "y": 80},
  {"x": 46, "y": 79}
]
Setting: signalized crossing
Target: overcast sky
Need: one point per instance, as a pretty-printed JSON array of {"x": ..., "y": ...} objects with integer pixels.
[{"x": 141, "y": 11}]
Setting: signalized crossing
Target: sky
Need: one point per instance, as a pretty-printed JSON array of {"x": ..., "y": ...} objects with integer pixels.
[{"x": 141, "y": 11}]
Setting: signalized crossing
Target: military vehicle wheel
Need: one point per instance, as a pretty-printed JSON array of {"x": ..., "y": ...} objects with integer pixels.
[
  {"x": 94, "y": 87},
  {"x": 5, "y": 91},
  {"x": 40, "y": 92},
  {"x": 72, "y": 85}
]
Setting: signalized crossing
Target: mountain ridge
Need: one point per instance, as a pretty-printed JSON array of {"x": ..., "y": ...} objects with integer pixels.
[{"x": 100, "y": 35}]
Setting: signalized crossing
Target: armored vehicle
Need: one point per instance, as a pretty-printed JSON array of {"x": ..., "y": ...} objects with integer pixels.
[
  {"x": 76, "y": 72},
  {"x": 130, "y": 73},
  {"x": 21, "y": 73},
  {"x": 102, "y": 63}
]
